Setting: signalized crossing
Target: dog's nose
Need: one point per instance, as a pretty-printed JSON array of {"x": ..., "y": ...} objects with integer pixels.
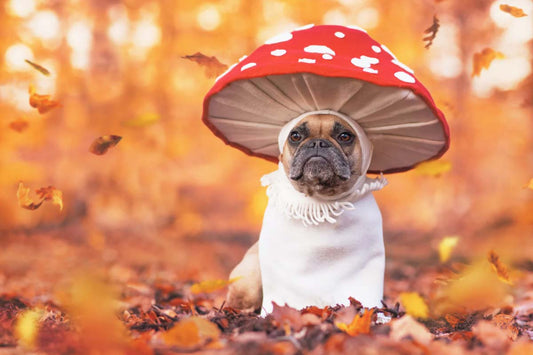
[{"x": 319, "y": 143}]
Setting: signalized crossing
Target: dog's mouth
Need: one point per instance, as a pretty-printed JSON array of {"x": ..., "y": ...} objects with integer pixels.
[{"x": 320, "y": 169}]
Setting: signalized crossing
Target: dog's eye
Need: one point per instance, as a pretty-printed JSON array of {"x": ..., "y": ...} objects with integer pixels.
[
  {"x": 295, "y": 136},
  {"x": 345, "y": 137}
]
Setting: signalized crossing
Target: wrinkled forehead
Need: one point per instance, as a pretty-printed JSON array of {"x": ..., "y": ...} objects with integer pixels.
[{"x": 324, "y": 122}]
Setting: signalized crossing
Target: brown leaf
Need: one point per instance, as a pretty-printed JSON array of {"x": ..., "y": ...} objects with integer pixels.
[
  {"x": 453, "y": 320},
  {"x": 213, "y": 67},
  {"x": 500, "y": 268},
  {"x": 43, "y": 103},
  {"x": 19, "y": 125},
  {"x": 512, "y": 10},
  {"x": 38, "y": 67},
  {"x": 483, "y": 59},
  {"x": 359, "y": 325},
  {"x": 490, "y": 334},
  {"x": 102, "y": 144},
  {"x": 45, "y": 193},
  {"x": 431, "y": 31},
  {"x": 506, "y": 322},
  {"x": 407, "y": 326},
  {"x": 24, "y": 199},
  {"x": 287, "y": 317},
  {"x": 51, "y": 194},
  {"x": 191, "y": 332}
]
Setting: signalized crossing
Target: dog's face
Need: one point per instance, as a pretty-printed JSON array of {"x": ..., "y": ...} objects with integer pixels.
[{"x": 322, "y": 155}]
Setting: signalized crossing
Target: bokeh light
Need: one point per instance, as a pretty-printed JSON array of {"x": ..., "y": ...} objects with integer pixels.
[
  {"x": 208, "y": 17},
  {"x": 20, "y": 8},
  {"x": 15, "y": 55},
  {"x": 45, "y": 26}
]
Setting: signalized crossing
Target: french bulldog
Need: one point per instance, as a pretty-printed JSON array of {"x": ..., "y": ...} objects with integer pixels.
[{"x": 321, "y": 241}]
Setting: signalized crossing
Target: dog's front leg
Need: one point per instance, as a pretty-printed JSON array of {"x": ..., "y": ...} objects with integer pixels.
[{"x": 246, "y": 292}]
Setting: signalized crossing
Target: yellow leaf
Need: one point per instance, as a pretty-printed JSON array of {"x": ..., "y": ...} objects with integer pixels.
[
  {"x": 24, "y": 199},
  {"x": 142, "y": 120},
  {"x": 483, "y": 59},
  {"x": 433, "y": 167},
  {"x": 414, "y": 304},
  {"x": 530, "y": 184},
  {"x": 446, "y": 245},
  {"x": 53, "y": 194},
  {"x": 360, "y": 323},
  {"x": 500, "y": 268},
  {"x": 512, "y": 10},
  {"x": 27, "y": 327},
  {"x": 191, "y": 332},
  {"x": 211, "y": 285}
]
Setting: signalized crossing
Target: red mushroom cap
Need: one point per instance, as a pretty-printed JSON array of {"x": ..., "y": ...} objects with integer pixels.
[{"x": 327, "y": 68}]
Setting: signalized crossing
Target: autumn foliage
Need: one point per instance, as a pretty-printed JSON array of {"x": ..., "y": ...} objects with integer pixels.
[{"x": 121, "y": 215}]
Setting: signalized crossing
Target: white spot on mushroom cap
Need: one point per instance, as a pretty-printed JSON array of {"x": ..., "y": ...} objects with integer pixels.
[
  {"x": 327, "y": 56},
  {"x": 314, "y": 48},
  {"x": 339, "y": 34},
  {"x": 403, "y": 66},
  {"x": 248, "y": 66},
  {"x": 284, "y": 37},
  {"x": 307, "y": 60},
  {"x": 357, "y": 28},
  {"x": 376, "y": 49},
  {"x": 370, "y": 70},
  {"x": 403, "y": 76},
  {"x": 305, "y": 27},
  {"x": 364, "y": 61},
  {"x": 242, "y": 58},
  {"x": 278, "y": 52},
  {"x": 388, "y": 51}
]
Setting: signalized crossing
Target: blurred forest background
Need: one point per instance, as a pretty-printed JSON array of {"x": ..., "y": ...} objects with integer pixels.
[{"x": 170, "y": 200}]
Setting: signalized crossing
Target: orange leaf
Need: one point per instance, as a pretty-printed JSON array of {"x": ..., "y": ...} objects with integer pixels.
[
  {"x": 211, "y": 285},
  {"x": 500, "y": 268},
  {"x": 38, "y": 67},
  {"x": 414, "y": 304},
  {"x": 25, "y": 201},
  {"x": 19, "y": 125},
  {"x": 287, "y": 317},
  {"x": 102, "y": 144},
  {"x": 483, "y": 59},
  {"x": 212, "y": 65},
  {"x": 43, "y": 103},
  {"x": 512, "y": 10},
  {"x": 51, "y": 193},
  {"x": 359, "y": 325},
  {"x": 446, "y": 246},
  {"x": 191, "y": 332}
]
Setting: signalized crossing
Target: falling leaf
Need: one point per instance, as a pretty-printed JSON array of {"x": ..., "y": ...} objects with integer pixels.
[
  {"x": 408, "y": 327},
  {"x": 432, "y": 32},
  {"x": 142, "y": 120},
  {"x": 211, "y": 285},
  {"x": 359, "y": 325},
  {"x": 212, "y": 66},
  {"x": 24, "y": 199},
  {"x": 500, "y": 268},
  {"x": 102, "y": 144},
  {"x": 414, "y": 304},
  {"x": 38, "y": 67},
  {"x": 433, "y": 168},
  {"x": 27, "y": 327},
  {"x": 43, "y": 103},
  {"x": 483, "y": 59},
  {"x": 191, "y": 332},
  {"x": 446, "y": 246},
  {"x": 512, "y": 10},
  {"x": 51, "y": 193},
  {"x": 19, "y": 125}
]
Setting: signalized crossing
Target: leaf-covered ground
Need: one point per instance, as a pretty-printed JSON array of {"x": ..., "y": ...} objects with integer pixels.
[{"x": 132, "y": 297}]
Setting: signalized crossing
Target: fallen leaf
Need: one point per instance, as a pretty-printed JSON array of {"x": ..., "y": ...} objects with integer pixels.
[
  {"x": 211, "y": 285},
  {"x": 483, "y": 59},
  {"x": 24, "y": 199},
  {"x": 512, "y": 10},
  {"x": 142, "y": 120},
  {"x": 359, "y": 325},
  {"x": 213, "y": 67},
  {"x": 432, "y": 32},
  {"x": 414, "y": 304},
  {"x": 50, "y": 193},
  {"x": 453, "y": 320},
  {"x": 507, "y": 323},
  {"x": 19, "y": 125},
  {"x": 191, "y": 332},
  {"x": 490, "y": 334},
  {"x": 102, "y": 144},
  {"x": 446, "y": 246},
  {"x": 406, "y": 327},
  {"x": 433, "y": 168},
  {"x": 499, "y": 267},
  {"x": 43, "y": 103},
  {"x": 38, "y": 67},
  {"x": 288, "y": 317},
  {"x": 27, "y": 327}
]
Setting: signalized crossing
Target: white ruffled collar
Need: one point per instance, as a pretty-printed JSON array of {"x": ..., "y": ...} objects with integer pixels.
[{"x": 311, "y": 210}]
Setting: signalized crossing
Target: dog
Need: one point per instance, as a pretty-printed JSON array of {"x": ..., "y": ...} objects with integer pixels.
[{"x": 321, "y": 241}]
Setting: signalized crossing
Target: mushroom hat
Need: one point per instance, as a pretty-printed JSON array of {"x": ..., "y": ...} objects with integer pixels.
[{"x": 327, "y": 68}]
